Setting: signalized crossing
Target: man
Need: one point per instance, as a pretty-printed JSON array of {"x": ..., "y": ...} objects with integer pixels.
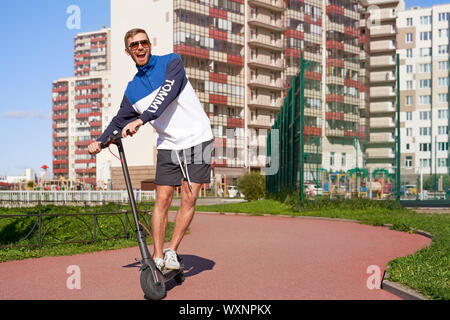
[{"x": 161, "y": 94}]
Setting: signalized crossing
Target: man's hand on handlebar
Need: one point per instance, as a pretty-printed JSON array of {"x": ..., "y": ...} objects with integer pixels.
[
  {"x": 131, "y": 128},
  {"x": 94, "y": 147}
]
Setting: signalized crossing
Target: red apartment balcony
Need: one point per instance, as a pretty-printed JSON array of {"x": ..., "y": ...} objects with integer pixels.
[
  {"x": 83, "y": 143},
  {"x": 218, "y": 77},
  {"x": 291, "y": 52},
  {"x": 95, "y": 123},
  {"x": 217, "y": 99},
  {"x": 98, "y": 39},
  {"x": 332, "y": 44},
  {"x": 352, "y": 83},
  {"x": 60, "y": 171},
  {"x": 191, "y": 51},
  {"x": 96, "y": 133},
  {"x": 294, "y": 34},
  {"x": 87, "y": 115},
  {"x": 351, "y": 133},
  {"x": 61, "y": 98},
  {"x": 82, "y": 151},
  {"x": 311, "y": 75},
  {"x": 236, "y": 60},
  {"x": 335, "y": 98},
  {"x": 80, "y": 63},
  {"x": 335, "y": 9},
  {"x": 88, "y": 87},
  {"x": 60, "y": 89},
  {"x": 218, "y": 13},
  {"x": 90, "y": 170},
  {"x": 335, "y": 62},
  {"x": 89, "y": 96},
  {"x": 82, "y": 55},
  {"x": 63, "y": 107},
  {"x": 334, "y": 116},
  {"x": 218, "y": 35},
  {"x": 60, "y": 144},
  {"x": 235, "y": 122},
  {"x": 312, "y": 131},
  {"x": 60, "y": 117},
  {"x": 85, "y": 161},
  {"x": 58, "y": 162},
  {"x": 351, "y": 31},
  {"x": 61, "y": 153}
]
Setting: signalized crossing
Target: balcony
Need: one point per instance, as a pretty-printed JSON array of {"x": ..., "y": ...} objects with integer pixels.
[
  {"x": 260, "y": 124},
  {"x": 60, "y": 171},
  {"x": 61, "y": 153},
  {"x": 266, "y": 62},
  {"x": 382, "y": 137},
  {"x": 264, "y": 21},
  {"x": 380, "y": 153},
  {"x": 382, "y": 107},
  {"x": 385, "y": 91},
  {"x": 273, "y": 5},
  {"x": 266, "y": 43},
  {"x": 60, "y": 117},
  {"x": 60, "y": 144},
  {"x": 382, "y": 46},
  {"x": 382, "y": 61},
  {"x": 265, "y": 102},
  {"x": 266, "y": 83},
  {"x": 382, "y": 31},
  {"x": 382, "y": 122},
  {"x": 382, "y": 76}
]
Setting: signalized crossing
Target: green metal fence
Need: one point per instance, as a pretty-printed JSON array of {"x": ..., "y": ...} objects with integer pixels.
[{"x": 301, "y": 156}]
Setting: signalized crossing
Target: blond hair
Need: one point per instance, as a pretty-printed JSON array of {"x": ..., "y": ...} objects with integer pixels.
[{"x": 132, "y": 33}]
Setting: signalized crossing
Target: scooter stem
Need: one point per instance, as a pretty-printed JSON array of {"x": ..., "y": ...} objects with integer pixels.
[{"x": 140, "y": 234}]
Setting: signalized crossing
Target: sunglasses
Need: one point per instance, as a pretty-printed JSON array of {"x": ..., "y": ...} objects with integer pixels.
[{"x": 135, "y": 44}]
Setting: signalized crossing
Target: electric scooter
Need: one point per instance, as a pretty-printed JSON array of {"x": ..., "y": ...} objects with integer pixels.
[{"x": 153, "y": 281}]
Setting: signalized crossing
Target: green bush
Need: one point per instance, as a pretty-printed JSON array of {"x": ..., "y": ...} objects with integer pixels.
[{"x": 253, "y": 186}]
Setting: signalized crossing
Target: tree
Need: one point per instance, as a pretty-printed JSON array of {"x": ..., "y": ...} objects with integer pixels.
[{"x": 252, "y": 186}]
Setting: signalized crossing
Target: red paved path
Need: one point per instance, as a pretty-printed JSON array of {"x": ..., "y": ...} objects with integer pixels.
[{"x": 232, "y": 257}]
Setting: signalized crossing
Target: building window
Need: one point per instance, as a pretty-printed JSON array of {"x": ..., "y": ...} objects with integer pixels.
[
  {"x": 332, "y": 159},
  {"x": 409, "y": 115},
  {"x": 425, "y": 36},
  {"x": 426, "y": 67},
  {"x": 409, "y": 22},
  {"x": 425, "y": 147},
  {"x": 442, "y": 97},
  {"x": 443, "y": 33},
  {"x": 443, "y": 49},
  {"x": 442, "y": 162},
  {"x": 425, "y": 99},
  {"x": 443, "y": 81},
  {"x": 425, "y": 163},
  {"x": 408, "y": 132},
  {"x": 443, "y": 114},
  {"x": 408, "y": 38},
  {"x": 409, "y": 84},
  {"x": 409, "y": 53},
  {"x": 425, "y": 20},
  {"x": 409, "y": 68},
  {"x": 408, "y": 102},
  {"x": 407, "y": 146},
  {"x": 425, "y": 131},
  {"x": 442, "y": 129},
  {"x": 344, "y": 159},
  {"x": 442, "y": 146},
  {"x": 408, "y": 161}
]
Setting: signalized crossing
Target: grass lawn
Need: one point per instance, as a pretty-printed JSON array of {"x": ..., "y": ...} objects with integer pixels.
[
  {"x": 427, "y": 271},
  {"x": 70, "y": 228}
]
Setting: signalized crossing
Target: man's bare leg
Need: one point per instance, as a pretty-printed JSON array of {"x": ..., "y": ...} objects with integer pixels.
[
  {"x": 185, "y": 213},
  {"x": 159, "y": 218}
]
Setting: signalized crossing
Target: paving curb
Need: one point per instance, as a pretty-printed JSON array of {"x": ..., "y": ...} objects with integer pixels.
[{"x": 389, "y": 286}]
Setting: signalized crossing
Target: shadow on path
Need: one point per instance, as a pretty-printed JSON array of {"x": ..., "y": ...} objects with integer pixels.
[{"x": 193, "y": 265}]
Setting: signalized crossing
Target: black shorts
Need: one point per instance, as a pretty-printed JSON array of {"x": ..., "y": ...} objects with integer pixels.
[{"x": 171, "y": 165}]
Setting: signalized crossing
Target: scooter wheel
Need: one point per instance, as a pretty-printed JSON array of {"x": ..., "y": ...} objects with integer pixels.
[
  {"x": 179, "y": 278},
  {"x": 153, "y": 290}
]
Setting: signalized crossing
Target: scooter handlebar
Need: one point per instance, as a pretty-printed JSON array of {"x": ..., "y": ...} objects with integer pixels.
[{"x": 116, "y": 136}]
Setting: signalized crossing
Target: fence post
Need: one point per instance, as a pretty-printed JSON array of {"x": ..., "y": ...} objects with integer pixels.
[{"x": 40, "y": 228}]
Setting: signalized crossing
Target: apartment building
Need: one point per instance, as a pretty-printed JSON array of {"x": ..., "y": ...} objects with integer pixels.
[
  {"x": 79, "y": 117},
  {"x": 423, "y": 45},
  {"x": 380, "y": 27}
]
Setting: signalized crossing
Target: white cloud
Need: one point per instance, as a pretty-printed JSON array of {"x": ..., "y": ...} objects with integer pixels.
[{"x": 26, "y": 114}]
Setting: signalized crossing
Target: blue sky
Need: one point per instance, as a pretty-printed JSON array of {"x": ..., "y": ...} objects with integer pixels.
[{"x": 38, "y": 49}]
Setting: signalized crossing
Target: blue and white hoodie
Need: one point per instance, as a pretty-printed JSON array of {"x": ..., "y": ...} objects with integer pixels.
[{"x": 160, "y": 93}]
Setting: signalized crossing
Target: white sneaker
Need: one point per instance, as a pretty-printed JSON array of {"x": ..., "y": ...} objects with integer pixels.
[
  {"x": 170, "y": 259},
  {"x": 159, "y": 263}
]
